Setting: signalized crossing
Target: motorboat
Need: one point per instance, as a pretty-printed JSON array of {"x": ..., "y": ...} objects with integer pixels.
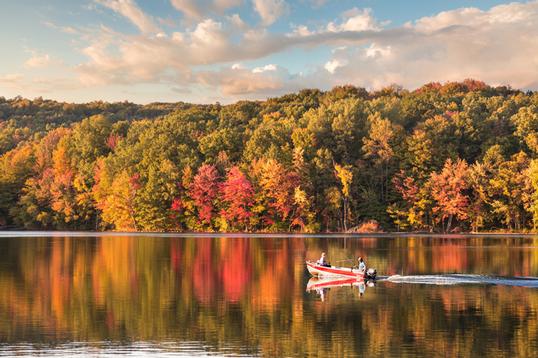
[{"x": 316, "y": 269}]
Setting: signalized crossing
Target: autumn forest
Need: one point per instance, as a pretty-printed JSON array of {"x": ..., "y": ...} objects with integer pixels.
[{"x": 445, "y": 158}]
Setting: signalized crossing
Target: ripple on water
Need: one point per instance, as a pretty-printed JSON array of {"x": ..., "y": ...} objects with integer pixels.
[
  {"x": 107, "y": 349},
  {"x": 457, "y": 279}
]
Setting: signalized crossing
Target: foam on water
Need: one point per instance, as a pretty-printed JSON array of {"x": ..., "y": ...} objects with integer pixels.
[{"x": 457, "y": 279}]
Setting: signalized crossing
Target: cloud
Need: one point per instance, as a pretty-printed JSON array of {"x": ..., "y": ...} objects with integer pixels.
[
  {"x": 11, "y": 79},
  {"x": 355, "y": 20},
  {"x": 115, "y": 57},
  {"x": 198, "y": 9},
  {"x": 496, "y": 45},
  {"x": 512, "y": 13},
  {"x": 270, "y": 10},
  {"x": 37, "y": 85},
  {"x": 65, "y": 29},
  {"x": 270, "y": 67},
  {"x": 131, "y": 11},
  {"x": 208, "y": 32},
  {"x": 240, "y": 81},
  {"x": 38, "y": 60},
  {"x": 375, "y": 51},
  {"x": 154, "y": 56},
  {"x": 236, "y": 20},
  {"x": 300, "y": 31},
  {"x": 332, "y": 65}
]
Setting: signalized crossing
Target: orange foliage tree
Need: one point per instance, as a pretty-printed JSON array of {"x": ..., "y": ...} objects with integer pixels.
[{"x": 448, "y": 189}]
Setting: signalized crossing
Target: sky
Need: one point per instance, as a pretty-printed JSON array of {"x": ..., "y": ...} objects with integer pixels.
[{"x": 204, "y": 51}]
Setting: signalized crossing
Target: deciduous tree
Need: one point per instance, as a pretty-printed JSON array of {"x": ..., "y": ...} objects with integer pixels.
[
  {"x": 204, "y": 191},
  {"x": 237, "y": 195},
  {"x": 449, "y": 188}
]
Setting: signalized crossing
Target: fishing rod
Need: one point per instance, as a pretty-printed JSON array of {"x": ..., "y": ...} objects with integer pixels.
[{"x": 345, "y": 260}]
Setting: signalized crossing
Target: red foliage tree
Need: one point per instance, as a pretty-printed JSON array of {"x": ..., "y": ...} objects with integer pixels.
[
  {"x": 238, "y": 197},
  {"x": 204, "y": 191},
  {"x": 177, "y": 205},
  {"x": 112, "y": 141},
  {"x": 134, "y": 181}
]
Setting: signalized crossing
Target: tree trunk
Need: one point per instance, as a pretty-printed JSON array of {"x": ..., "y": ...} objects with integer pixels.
[
  {"x": 449, "y": 223},
  {"x": 345, "y": 215}
]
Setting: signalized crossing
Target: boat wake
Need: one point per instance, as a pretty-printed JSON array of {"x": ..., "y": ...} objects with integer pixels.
[{"x": 458, "y": 279}]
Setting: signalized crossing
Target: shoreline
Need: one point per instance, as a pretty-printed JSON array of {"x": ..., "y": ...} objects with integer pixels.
[{"x": 35, "y": 233}]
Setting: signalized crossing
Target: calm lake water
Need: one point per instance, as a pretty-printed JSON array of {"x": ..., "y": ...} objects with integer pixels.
[{"x": 165, "y": 295}]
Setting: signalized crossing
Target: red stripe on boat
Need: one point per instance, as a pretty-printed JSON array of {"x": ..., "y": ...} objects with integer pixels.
[{"x": 335, "y": 271}]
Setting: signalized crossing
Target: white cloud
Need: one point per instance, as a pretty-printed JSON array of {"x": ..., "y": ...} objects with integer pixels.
[
  {"x": 236, "y": 20},
  {"x": 496, "y": 45},
  {"x": 301, "y": 31},
  {"x": 355, "y": 20},
  {"x": 198, "y": 9},
  {"x": 265, "y": 68},
  {"x": 332, "y": 65},
  {"x": 115, "y": 57},
  {"x": 512, "y": 13},
  {"x": 38, "y": 60},
  {"x": 64, "y": 29},
  {"x": 241, "y": 82},
  {"x": 131, "y": 11},
  {"x": 11, "y": 78},
  {"x": 270, "y": 10},
  {"x": 189, "y": 8},
  {"x": 19, "y": 84},
  {"x": 208, "y": 32},
  {"x": 375, "y": 51}
]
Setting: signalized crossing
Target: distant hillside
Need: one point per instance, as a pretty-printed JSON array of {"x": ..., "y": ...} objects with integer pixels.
[
  {"x": 458, "y": 156},
  {"x": 21, "y": 118}
]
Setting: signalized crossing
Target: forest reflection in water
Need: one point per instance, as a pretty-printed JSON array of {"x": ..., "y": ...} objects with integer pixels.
[{"x": 249, "y": 296}]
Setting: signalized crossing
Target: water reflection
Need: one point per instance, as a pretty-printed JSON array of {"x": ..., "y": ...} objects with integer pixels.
[
  {"x": 247, "y": 296},
  {"x": 322, "y": 285}
]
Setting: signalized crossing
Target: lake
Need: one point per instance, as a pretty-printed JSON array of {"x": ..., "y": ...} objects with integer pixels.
[{"x": 162, "y": 295}]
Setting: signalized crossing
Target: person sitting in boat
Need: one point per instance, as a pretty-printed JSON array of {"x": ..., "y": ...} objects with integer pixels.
[
  {"x": 323, "y": 260},
  {"x": 361, "y": 265}
]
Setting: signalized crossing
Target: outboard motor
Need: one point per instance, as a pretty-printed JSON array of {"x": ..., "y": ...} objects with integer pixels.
[{"x": 371, "y": 274}]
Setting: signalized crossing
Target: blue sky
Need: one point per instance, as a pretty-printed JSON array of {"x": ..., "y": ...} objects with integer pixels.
[{"x": 225, "y": 50}]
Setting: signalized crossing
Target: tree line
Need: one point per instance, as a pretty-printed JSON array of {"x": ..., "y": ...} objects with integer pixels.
[{"x": 459, "y": 156}]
